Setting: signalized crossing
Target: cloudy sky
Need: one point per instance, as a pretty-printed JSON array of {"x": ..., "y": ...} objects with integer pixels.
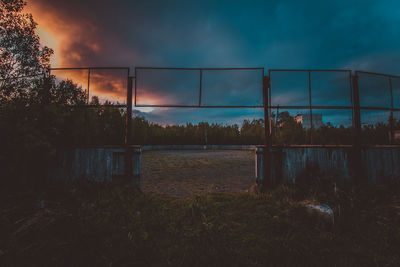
[{"x": 270, "y": 34}]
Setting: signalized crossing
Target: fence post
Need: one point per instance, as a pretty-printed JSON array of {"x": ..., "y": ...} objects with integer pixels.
[
  {"x": 87, "y": 123},
  {"x": 266, "y": 181},
  {"x": 357, "y": 143},
  {"x": 391, "y": 118},
  {"x": 128, "y": 130},
  {"x": 310, "y": 108}
]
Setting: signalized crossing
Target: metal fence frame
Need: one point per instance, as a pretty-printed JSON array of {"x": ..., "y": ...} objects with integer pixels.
[
  {"x": 88, "y": 79},
  {"x": 128, "y": 106},
  {"x": 391, "y": 109},
  {"x": 200, "y": 88},
  {"x": 267, "y": 106},
  {"x": 310, "y": 107}
]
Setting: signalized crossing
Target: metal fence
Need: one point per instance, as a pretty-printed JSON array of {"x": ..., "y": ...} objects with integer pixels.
[
  {"x": 108, "y": 84},
  {"x": 199, "y": 87},
  {"x": 109, "y": 87},
  {"x": 105, "y": 90},
  {"x": 335, "y": 106},
  {"x": 317, "y": 100},
  {"x": 321, "y": 107},
  {"x": 379, "y": 104},
  {"x": 329, "y": 106}
]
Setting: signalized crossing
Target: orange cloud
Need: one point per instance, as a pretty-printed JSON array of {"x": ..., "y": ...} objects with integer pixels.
[
  {"x": 77, "y": 42},
  {"x": 55, "y": 33},
  {"x": 61, "y": 34}
]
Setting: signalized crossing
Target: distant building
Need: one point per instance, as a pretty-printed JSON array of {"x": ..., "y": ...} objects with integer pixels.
[
  {"x": 305, "y": 120},
  {"x": 396, "y": 136}
]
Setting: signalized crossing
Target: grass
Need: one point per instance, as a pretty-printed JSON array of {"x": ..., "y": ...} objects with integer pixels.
[
  {"x": 184, "y": 173},
  {"x": 90, "y": 224}
]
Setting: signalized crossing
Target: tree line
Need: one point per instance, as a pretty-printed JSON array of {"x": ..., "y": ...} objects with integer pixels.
[{"x": 105, "y": 125}]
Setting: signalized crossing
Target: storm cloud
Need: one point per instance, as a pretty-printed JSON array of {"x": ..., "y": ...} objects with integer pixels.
[{"x": 271, "y": 34}]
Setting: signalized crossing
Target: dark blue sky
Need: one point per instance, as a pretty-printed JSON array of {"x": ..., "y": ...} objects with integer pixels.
[{"x": 271, "y": 34}]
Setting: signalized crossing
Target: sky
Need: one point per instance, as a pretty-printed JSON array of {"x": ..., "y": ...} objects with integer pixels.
[{"x": 362, "y": 35}]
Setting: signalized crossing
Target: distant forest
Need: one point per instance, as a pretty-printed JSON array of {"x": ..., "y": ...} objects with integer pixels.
[{"x": 105, "y": 125}]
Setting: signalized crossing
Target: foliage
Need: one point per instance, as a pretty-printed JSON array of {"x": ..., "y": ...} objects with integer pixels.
[
  {"x": 90, "y": 224},
  {"x": 21, "y": 54},
  {"x": 33, "y": 126}
]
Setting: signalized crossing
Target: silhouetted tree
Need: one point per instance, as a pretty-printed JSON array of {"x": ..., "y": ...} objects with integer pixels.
[{"x": 21, "y": 54}]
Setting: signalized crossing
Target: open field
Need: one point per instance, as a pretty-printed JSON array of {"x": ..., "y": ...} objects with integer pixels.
[{"x": 183, "y": 173}]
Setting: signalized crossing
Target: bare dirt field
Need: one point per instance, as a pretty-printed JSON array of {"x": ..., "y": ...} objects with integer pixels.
[{"x": 184, "y": 173}]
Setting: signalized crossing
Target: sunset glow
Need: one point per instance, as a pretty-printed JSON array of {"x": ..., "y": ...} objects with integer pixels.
[{"x": 61, "y": 33}]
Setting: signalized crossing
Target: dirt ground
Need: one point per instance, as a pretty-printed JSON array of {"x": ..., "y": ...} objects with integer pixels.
[{"x": 184, "y": 173}]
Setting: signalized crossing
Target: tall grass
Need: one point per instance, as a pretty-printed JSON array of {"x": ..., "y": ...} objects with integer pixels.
[{"x": 89, "y": 224}]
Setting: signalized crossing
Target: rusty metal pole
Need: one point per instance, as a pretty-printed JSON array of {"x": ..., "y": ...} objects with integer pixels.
[
  {"x": 357, "y": 159},
  {"x": 391, "y": 118},
  {"x": 87, "y": 124},
  {"x": 356, "y": 108},
  {"x": 128, "y": 131},
  {"x": 88, "y": 86},
  {"x": 310, "y": 107},
  {"x": 266, "y": 182},
  {"x": 201, "y": 85}
]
